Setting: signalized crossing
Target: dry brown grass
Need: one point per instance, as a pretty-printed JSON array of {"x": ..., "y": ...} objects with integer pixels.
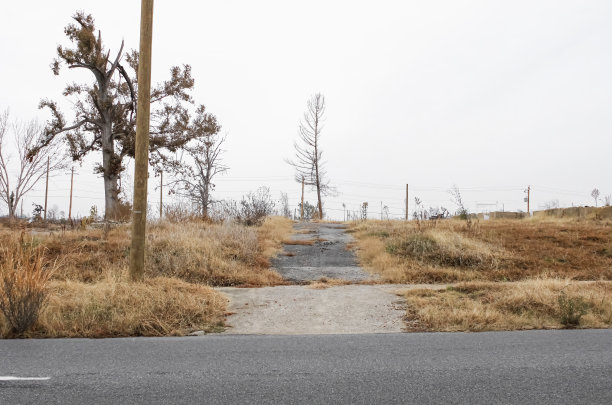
[
  {"x": 224, "y": 254},
  {"x": 89, "y": 295},
  {"x": 500, "y": 250},
  {"x": 23, "y": 283},
  {"x": 325, "y": 282},
  {"x": 110, "y": 308},
  {"x": 482, "y": 306}
]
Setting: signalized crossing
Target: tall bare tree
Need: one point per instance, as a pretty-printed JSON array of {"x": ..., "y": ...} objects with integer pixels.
[
  {"x": 595, "y": 195},
  {"x": 27, "y": 172},
  {"x": 105, "y": 110},
  {"x": 308, "y": 162},
  {"x": 195, "y": 179}
]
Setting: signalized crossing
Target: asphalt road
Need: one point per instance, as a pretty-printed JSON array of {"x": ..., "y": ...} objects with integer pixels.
[{"x": 544, "y": 367}]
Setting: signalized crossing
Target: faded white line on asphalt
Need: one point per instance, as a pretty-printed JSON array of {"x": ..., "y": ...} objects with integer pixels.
[{"x": 12, "y": 378}]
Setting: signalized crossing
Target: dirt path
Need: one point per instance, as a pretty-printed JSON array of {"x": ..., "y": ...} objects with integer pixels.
[{"x": 301, "y": 309}]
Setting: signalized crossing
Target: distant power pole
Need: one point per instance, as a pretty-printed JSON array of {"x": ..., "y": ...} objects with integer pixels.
[
  {"x": 406, "y": 202},
  {"x": 302, "y": 210},
  {"x": 141, "y": 156},
  {"x": 46, "y": 190},
  {"x": 161, "y": 193},
  {"x": 381, "y": 211},
  {"x": 344, "y": 209},
  {"x": 528, "y": 196},
  {"x": 71, "y": 183}
]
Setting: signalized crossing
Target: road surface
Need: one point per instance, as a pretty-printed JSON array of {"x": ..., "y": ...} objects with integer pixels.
[{"x": 544, "y": 367}]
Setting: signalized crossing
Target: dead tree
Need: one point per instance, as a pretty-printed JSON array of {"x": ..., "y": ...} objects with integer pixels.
[
  {"x": 595, "y": 195},
  {"x": 27, "y": 172},
  {"x": 194, "y": 178},
  {"x": 105, "y": 110},
  {"x": 308, "y": 161}
]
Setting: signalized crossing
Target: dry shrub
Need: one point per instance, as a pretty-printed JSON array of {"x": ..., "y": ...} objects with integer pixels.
[
  {"x": 155, "y": 307},
  {"x": 180, "y": 212},
  {"x": 500, "y": 250},
  {"x": 445, "y": 248},
  {"x": 533, "y": 304},
  {"x": 23, "y": 288},
  {"x": 572, "y": 309}
]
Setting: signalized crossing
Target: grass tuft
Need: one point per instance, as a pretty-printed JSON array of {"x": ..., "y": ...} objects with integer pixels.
[{"x": 23, "y": 284}]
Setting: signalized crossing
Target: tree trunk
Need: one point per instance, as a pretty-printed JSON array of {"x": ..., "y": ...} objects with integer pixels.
[
  {"x": 111, "y": 177},
  {"x": 319, "y": 197},
  {"x": 205, "y": 202},
  {"x": 12, "y": 209},
  {"x": 316, "y": 165}
]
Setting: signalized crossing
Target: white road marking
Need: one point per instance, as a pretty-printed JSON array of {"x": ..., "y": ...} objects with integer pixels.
[{"x": 12, "y": 378}]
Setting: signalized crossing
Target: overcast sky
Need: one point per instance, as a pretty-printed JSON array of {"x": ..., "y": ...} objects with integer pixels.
[{"x": 491, "y": 96}]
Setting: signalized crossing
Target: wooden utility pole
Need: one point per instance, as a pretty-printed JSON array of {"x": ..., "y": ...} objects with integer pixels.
[
  {"x": 528, "y": 195},
  {"x": 141, "y": 156},
  {"x": 46, "y": 190},
  {"x": 161, "y": 193},
  {"x": 71, "y": 183},
  {"x": 302, "y": 210},
  {"x": 407, "y": 202}
]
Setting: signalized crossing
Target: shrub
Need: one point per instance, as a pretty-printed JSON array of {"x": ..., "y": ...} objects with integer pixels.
[
  {"x": 255, "y": 207},
  {"x": 444, "y": 248},
  {"x": 23, "y": 282},
  {"x": 571, "y": 310}
]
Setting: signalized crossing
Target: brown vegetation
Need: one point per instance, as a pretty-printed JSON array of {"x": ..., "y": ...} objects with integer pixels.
[
  {"x": 89, "y": 295},
  {"x": 216, "y": 254},
  {"x": 23, "y": 284},
  {"x": 533, "y": 304},
  {"x": 500, "y": 250}
]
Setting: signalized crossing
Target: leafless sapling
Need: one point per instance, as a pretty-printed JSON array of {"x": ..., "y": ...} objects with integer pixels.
[{"x": 284, "y": 205}]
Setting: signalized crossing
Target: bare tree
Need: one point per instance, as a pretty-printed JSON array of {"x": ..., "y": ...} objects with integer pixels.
[
  {"x": 195, "y": 180},
  {"x": 284, "y": 205},
  {"x": 28, "y": 171},
  {"x": 308, "y": 162},
  {"x": 552, "y": 204},
  {"x": 607, "y": 199},
  {"x": 595, "y": 195},
  {"x": 105, "y": 110}
]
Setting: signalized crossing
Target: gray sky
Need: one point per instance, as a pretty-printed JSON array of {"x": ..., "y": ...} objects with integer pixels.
[{"x": 492, "y": 96}]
